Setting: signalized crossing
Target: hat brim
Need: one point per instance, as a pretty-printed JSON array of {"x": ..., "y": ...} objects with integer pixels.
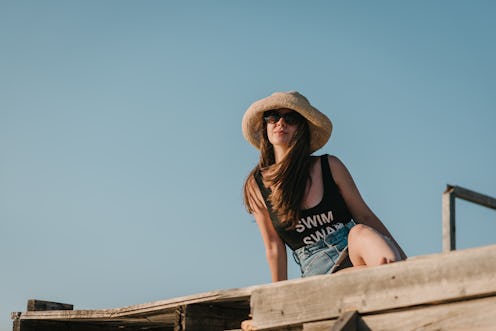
[{"x": 319, "y": 124}]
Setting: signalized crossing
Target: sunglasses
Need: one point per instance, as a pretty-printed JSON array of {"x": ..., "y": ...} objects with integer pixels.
[{"x": 273, "y": 116}]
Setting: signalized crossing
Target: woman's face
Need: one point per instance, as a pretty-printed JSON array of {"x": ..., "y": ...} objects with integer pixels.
[{"x": 282, "y": 125}]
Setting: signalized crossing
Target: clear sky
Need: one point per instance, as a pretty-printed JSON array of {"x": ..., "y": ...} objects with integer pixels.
[{"x": 121, "y": 154}]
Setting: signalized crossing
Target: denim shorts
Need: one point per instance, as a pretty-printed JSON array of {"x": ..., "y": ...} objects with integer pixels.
[{"x": 325, "y": 255}]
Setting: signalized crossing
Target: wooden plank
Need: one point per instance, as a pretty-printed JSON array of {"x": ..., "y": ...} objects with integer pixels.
[
  {"x": 329, "y": 325},
  {"x": 160, "y": 314},
  {"x": 159, "y": 308},
  {"x": 452, "y": 276},
  {"x": 319, "y": 326},
  {"x": 41, "y": 305},
  {"x": 32, "y": 325},
  {"x": 476, "y": 314},
  {"x": 348, "y": 321},
  {"x": 449, "y": 211},
  {"x": 469, "y": 315}
]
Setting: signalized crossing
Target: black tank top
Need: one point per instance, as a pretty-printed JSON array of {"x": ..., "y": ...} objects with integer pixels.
[{"x": 317, "y": 222}]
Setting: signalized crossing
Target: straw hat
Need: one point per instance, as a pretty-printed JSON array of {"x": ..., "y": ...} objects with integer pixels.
[{"x": 320, "y": 125}]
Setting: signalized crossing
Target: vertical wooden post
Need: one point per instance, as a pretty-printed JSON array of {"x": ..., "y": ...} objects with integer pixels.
[
  {"x": 16, "y": 323},
  {"x": 449, "y": 226}
]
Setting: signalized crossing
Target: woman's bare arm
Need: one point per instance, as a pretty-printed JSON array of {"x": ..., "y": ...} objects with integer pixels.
[
  {"x": 275, "y": 249},
  {"x": 359, "y": 210}
]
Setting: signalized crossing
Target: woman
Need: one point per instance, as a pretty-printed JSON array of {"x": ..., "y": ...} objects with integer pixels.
[{"x": 308, "y": 203}]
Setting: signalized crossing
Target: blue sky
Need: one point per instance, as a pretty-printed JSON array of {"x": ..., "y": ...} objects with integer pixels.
[{"x": 121, "y": 154}]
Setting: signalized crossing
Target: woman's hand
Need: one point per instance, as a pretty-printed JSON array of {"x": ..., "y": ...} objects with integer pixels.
[{"x": 246, "y": 325}]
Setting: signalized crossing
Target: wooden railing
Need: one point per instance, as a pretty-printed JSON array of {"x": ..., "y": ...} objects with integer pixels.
[{"x": 449, "y": 211}]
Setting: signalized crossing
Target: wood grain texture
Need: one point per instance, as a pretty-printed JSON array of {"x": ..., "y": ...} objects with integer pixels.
[
  {"x": 159, "y": 315},
  {"x": 453, "y": 276},
  {"x": 476, "y": 314}
]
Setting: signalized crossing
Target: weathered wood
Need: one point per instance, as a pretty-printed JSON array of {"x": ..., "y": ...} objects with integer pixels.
[
  {"x": 328, "y": 325},
  {"x": 437, "y": 280},
  {"x": 348, "y": 321},
  {"x": 469, "y": 315},
  {"x": 41, "y": 305},
  {"x": 16, "y": 322},
  {"x": 476, "y": 314},
  {"x": 319, "y": 326},
  {"x": 151, "y": 322},
  {"x": 449, "y": 225},
  {"x": 449, "y": 211},
  {"x": 45, "y": 325},
  {"x": 158, "y": 308},
  {"x": 211, "y": 317},
  {"x": 453, "y": 276},
  {"x": 159, "y": 315}
]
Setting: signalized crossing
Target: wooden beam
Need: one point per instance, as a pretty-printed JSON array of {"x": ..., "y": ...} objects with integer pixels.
[
  {"x": 463, "y": 315},
  {"x": 476, "y": 314},
  {"x": 453, "y": 276},
  {"x": 159, "y": 315},
  {"x": 41, "y": 305},
  {"x": 158, "y": 308},
  {"x": 472, "y": 196},
  {"x": 449, "y": 211},
  {"x": 86, "y": 326}
]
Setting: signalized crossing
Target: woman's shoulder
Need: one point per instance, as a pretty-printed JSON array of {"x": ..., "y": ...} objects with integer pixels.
[
  {"x": 253, "y": 191},
  {"x": 252, "y": 186},
  {"x": 338, "y": 169},
  {"x": 332, "y": 159},
  {"x": 251, "y": 181},
  {"x": 253, "y": 198}
]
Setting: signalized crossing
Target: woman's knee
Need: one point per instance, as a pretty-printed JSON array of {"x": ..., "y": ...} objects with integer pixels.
[
  {"x": 359, "y": 231},
  {"x": 373, "y": 247},
  {"x": 357, "y": 237}
]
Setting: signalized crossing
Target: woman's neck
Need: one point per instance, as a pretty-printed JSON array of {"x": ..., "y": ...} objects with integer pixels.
[{"x": 279, "y": 153}]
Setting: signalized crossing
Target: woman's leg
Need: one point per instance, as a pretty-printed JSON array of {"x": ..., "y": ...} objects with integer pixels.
[{"x": 368, "y": 247}]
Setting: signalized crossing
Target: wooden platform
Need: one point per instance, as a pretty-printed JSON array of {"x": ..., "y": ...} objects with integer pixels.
[
  {"x": 216, "y": 310},
  {"x": 449, "y": 291}
]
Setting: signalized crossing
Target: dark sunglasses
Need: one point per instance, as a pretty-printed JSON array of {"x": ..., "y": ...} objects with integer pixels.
[{"x": 273, "y": 116}]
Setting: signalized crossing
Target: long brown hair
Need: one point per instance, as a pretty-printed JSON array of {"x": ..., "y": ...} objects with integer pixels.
[{"x": 286, "y": 179}]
